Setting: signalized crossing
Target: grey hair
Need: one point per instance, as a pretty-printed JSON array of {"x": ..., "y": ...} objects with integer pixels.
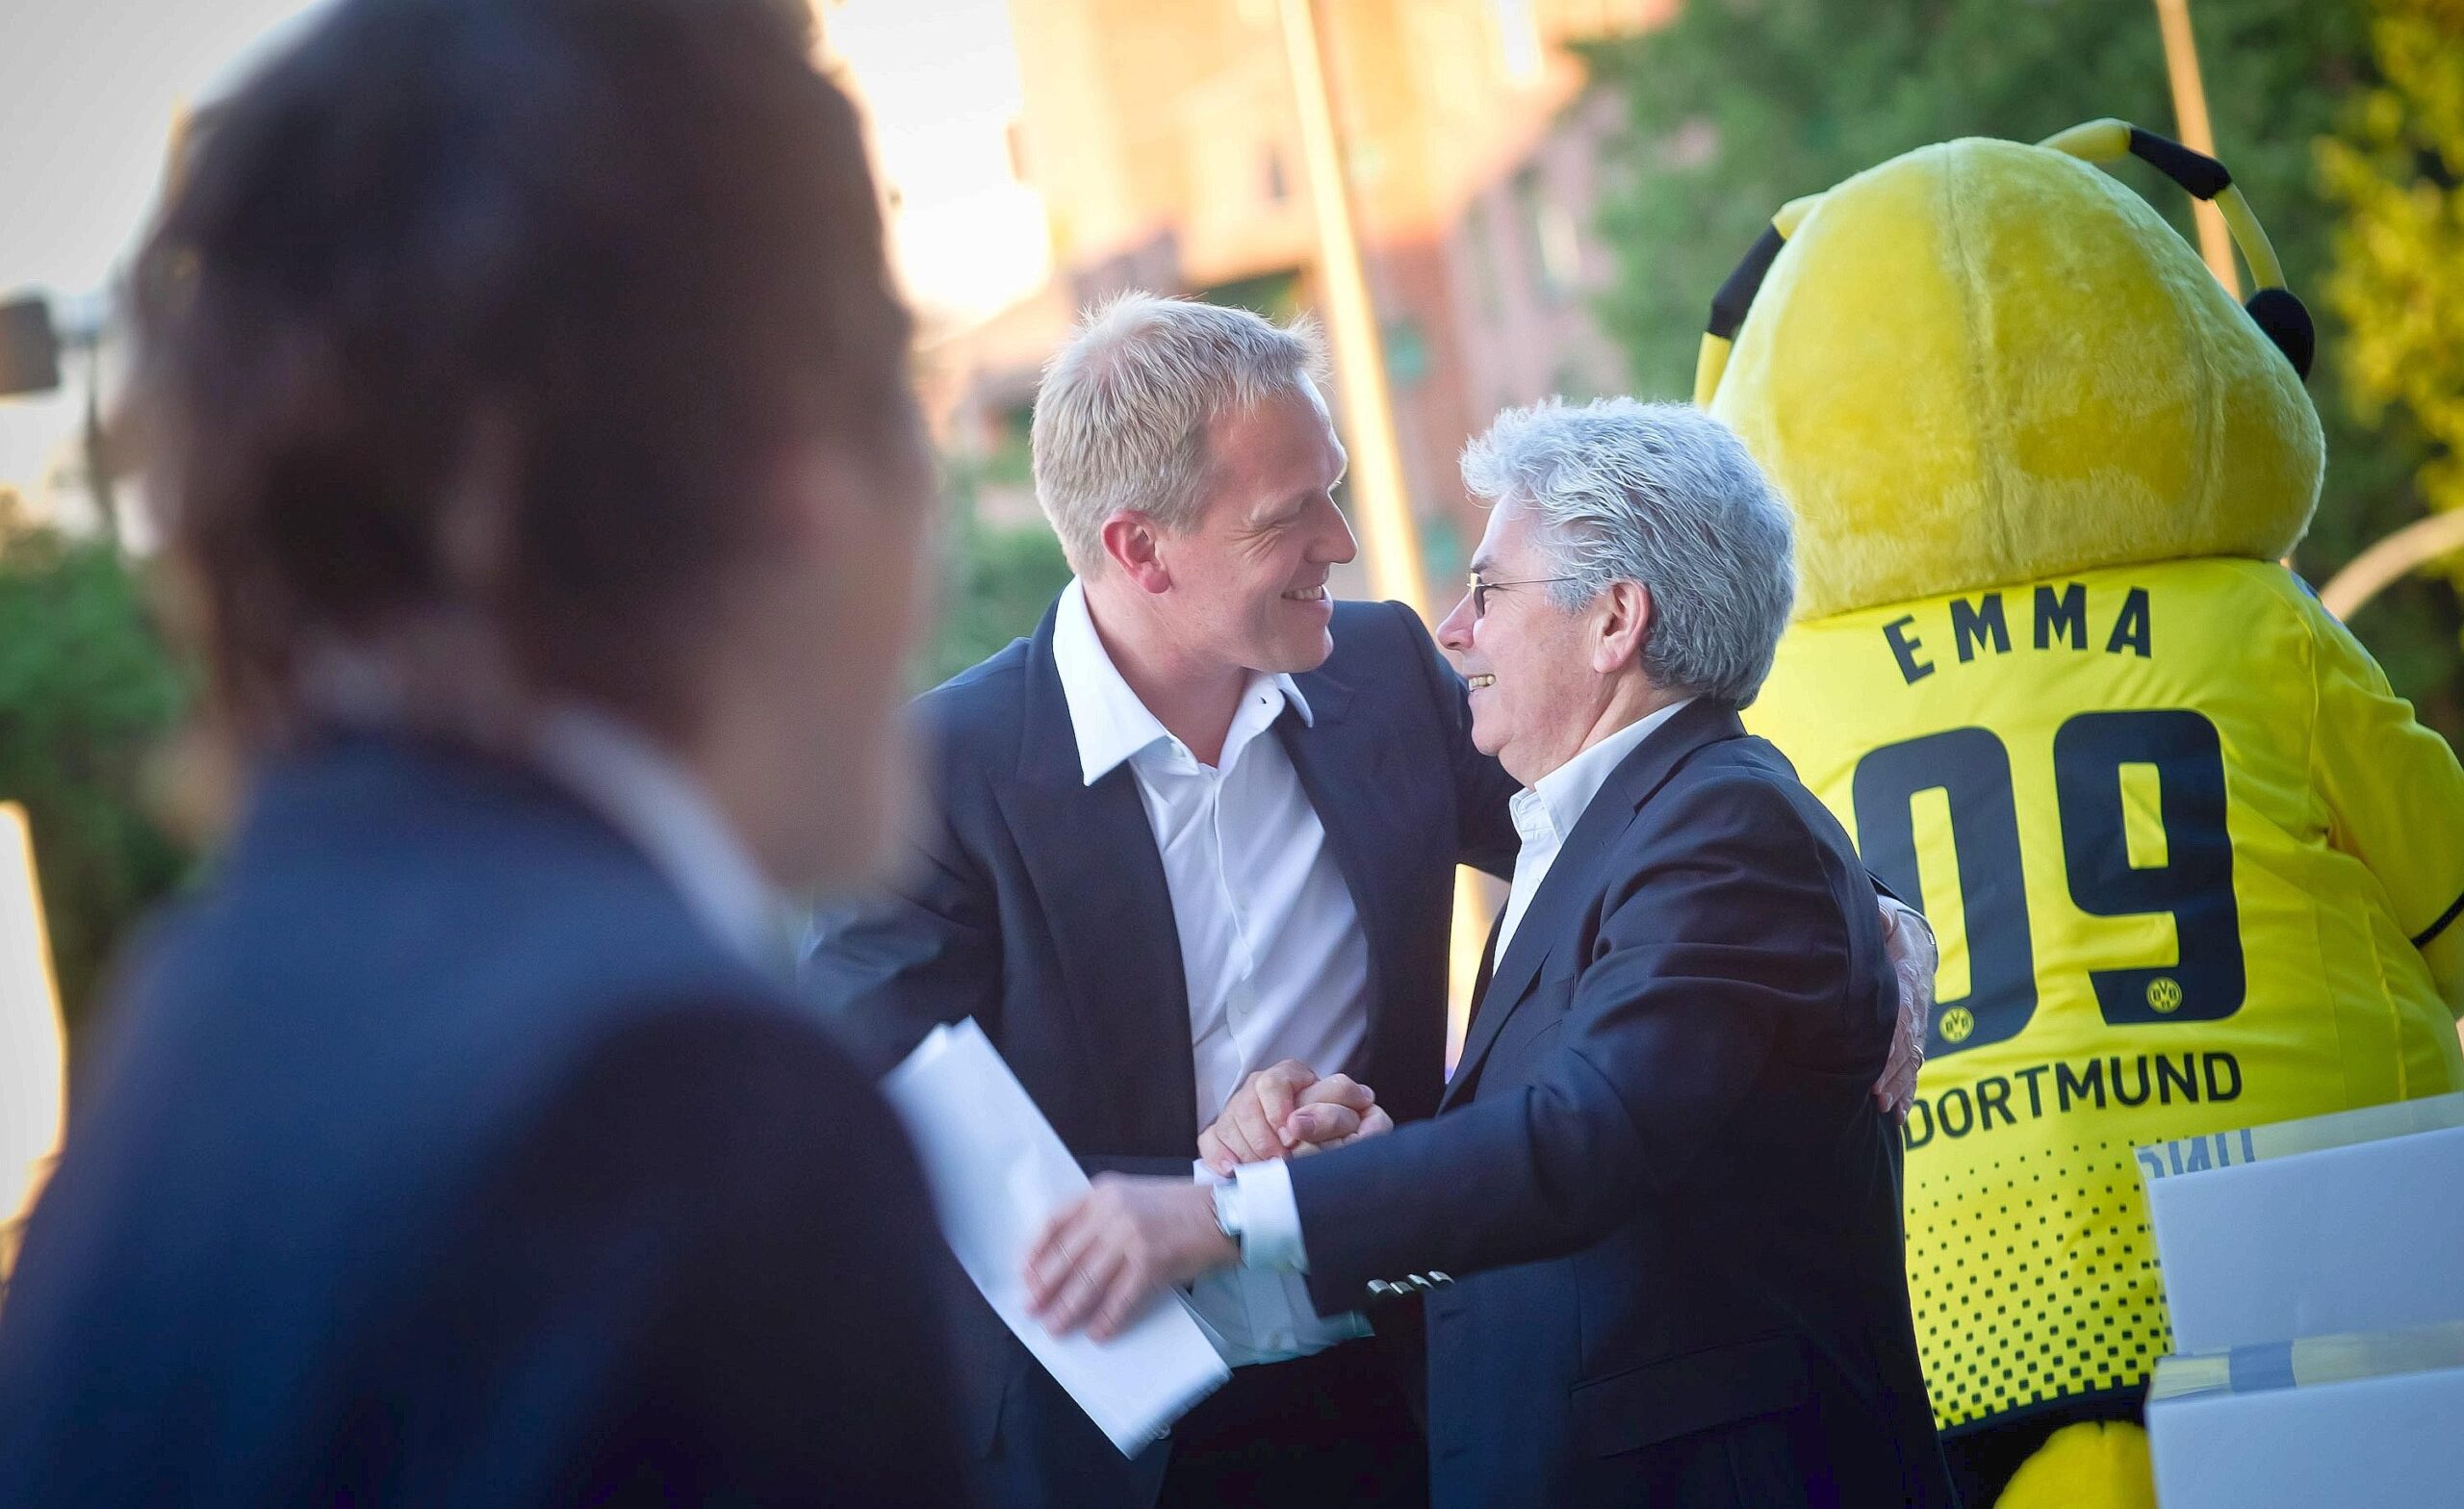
[
  {"x": 1122, "y": 418},
  {"x": 1664, "y": 494}
]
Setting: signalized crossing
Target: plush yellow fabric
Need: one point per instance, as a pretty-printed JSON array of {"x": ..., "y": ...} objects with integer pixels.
[
  {"x": 2091, "y": 1466},
  {"x": 2184, "y": 833},
  {"x": 2190, "y": 859},
  {"x": 1986, "y": 362}
]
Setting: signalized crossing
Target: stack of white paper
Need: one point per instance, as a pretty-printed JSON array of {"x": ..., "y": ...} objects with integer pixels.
[
  {"x": 2364, "y": 1420},
  {"x": 2310, "y": 1270},
  {"x": 998, "y": 1172},
  {"x": 2337, "y": 1223}
]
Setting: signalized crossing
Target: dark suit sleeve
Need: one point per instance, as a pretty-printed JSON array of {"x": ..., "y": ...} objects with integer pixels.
[
  {"x": 891, "y": 967},
  {"x": 718, "y": 1207},
  {"x": 925, "y": 950},
  {"x": 1486, "y": 838},
  {"x": 1726, "y": 938}
]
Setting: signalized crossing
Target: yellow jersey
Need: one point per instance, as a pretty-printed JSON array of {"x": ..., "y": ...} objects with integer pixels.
[{"x": 2193, "y": 866}]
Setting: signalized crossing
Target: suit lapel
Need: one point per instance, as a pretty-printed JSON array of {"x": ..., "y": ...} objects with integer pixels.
[
  {"x": 1575, "y": 875},
  {"x": 1099, "y": 879},
  {"x": 1338, "y": 762}
]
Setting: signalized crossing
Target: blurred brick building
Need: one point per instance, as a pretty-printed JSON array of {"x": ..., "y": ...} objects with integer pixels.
[{"x": 1163, "y": 140}]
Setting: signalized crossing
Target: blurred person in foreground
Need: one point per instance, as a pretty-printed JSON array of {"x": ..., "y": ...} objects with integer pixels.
[
  {"x": 529, "y": 428},
  {"x": 1190, "y": 862},
  {"x": 1656, "y": 1216}
]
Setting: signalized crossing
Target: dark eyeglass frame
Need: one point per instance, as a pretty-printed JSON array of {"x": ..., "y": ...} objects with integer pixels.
[{"x": 1479, "y": 589}]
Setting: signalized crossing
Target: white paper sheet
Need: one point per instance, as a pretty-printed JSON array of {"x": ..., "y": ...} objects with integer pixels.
[
  {"x": 2341, "y": 1419},
  {"x": 2342, "y": 1223},
  {"x": 998, "y": 1172}
]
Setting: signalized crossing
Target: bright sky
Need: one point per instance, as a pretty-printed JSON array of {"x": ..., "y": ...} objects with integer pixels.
[
  {"x": 940, "y": 82},
  {"x": 89, "y": 89}
]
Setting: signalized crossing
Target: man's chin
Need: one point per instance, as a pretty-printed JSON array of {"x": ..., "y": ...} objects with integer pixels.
[
  {"x": 1292, "y": 653},
  {"x": 1487, "y": 741}
]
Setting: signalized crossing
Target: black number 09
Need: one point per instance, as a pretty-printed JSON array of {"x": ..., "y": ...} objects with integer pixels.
[{"x": 2195, "y": 885}]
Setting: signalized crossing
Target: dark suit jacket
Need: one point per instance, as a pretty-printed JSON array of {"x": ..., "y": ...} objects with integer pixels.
[
  {"x": 1666, "y": 1205},
  {"x": 441, "y": 1159},
  {"x": 1038, "y": 907}
]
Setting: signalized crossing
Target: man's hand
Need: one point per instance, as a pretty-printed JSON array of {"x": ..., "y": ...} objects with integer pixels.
[
  {"x": 1288, "y": 1110},
  {"x": 1102, "y": 1259},
  {"x": 1909, "y": 941},
  {"x": 1316, "y": 1127}
]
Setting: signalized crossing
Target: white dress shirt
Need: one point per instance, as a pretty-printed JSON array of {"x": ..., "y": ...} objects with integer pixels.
[
  {"x": 1271, "y": 951},
  {"x": 1544, "y": 814}
]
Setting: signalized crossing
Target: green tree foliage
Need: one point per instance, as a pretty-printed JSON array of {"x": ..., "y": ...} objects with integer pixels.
[
  {"x": 1737, "y": 106},
  {"x": 88, "y": 695},
  {"x": 997, "y": 578},
  {"x": 2399, "y": 284}
]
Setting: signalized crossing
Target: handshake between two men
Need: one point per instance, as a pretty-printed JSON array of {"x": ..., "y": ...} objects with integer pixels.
[
  {"x": 1101, "y": 1260},
  {"x": 1199, "y": 835}
]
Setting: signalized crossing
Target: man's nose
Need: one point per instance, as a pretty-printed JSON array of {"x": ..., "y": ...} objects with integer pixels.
[
  {"x": 1336, "y": 547},
  {"x": 1455, "y": 631}
]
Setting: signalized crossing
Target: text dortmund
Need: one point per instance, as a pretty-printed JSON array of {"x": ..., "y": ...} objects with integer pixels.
[
  {"x": 1983, "y": 623},
  {"x": 2042, "y": 1089}
]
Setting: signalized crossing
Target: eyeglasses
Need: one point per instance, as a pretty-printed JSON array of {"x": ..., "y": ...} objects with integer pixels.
[{"x": 1480, "y": 590}]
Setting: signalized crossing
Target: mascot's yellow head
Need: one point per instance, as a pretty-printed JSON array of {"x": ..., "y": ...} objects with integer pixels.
[{"x": 1987, "y": 362}]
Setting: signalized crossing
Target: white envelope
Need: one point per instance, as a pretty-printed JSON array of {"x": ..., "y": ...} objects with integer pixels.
[
  {"x": 998, "y": 1172},
  {"x": 2341, "y": 1223}
]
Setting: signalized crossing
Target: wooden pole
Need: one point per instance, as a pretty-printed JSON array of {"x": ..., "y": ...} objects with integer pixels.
[
  {"x": 2189, "y": 119},
  {"x": 1388, "y": 533}
]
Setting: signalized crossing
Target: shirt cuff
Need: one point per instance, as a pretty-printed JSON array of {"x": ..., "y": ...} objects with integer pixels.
[
  {"x": 1270, "y": 1218},
  {"x": 1908, "y": 914}
]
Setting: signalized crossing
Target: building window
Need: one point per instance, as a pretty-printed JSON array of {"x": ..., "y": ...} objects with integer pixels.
[
  {"x": 1477, "y": 236},
  {"x": 1013, "y": 137},
  {"x": 1551, "y": 240},
  {"x": 1518, "y": 40},
  {"x": 1407, "y": 358}
]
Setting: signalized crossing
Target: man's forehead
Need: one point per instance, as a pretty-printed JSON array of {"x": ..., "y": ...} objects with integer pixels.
[
  {"x": 1503, "y": 540},
  {"x": 1277, "y": 441}
]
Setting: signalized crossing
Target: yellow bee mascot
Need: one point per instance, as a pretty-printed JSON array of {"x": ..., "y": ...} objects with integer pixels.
[{"x": 2193, "y": 865}]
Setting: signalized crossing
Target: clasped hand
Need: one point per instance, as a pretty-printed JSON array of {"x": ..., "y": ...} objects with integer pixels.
[
  {"x": 1106, "y": 1255},
  {"x": 1287, "y": 1110}
]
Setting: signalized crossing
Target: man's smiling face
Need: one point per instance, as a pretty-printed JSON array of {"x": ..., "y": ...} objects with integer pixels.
[
  {"x": 1527, "y": 660},
  {"x": 1249, "y": 579}
]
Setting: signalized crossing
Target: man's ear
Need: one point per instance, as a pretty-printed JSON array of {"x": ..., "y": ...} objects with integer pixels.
[
  {"x": 1135, "y": 545},
  {"x": 1621, "y": 625}
]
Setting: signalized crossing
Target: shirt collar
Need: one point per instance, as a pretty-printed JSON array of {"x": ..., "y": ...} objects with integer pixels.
[
  {"x": 1565, "y": 792},
  {"x": 1111, "y": 723},
  {"x": 657, "y": 805}
]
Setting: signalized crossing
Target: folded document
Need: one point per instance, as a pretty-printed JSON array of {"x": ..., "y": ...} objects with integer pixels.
[{"x": 998, "y": 1172}]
